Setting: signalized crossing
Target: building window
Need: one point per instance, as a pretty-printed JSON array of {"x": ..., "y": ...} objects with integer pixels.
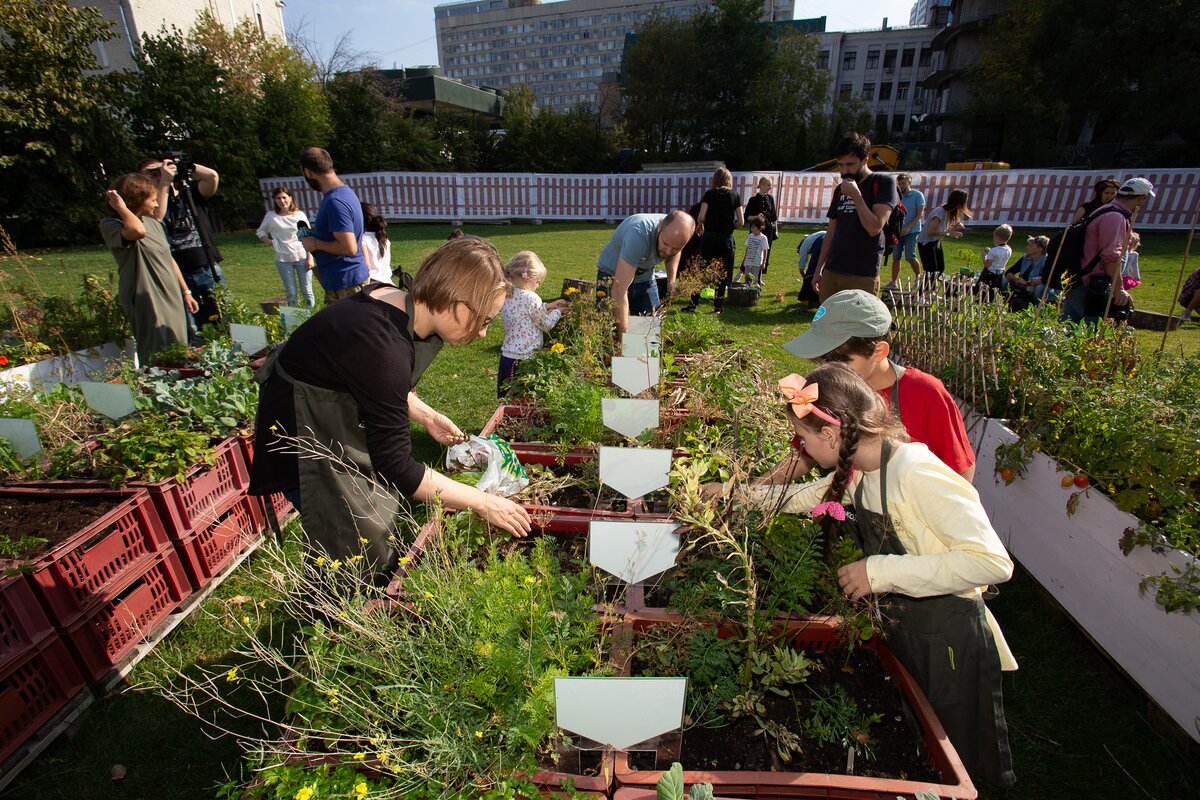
[
  {"x": 868, "y": 92},
  {"x": 889, "y": 59},
  {"x": 880, "y": 122},
  {"x": 926, "y": 57},
  {"x": 872, "y": 59},
  {"x": 902, "y": 91},
  {"x": 823, "y": 59},
  {"x": 906, "y": 58},
  {"x": 845, "y": 91},
  {"x": 898, "y": 122},
  {"x": 885, "y": 91},
  {"x": 849, "y": 58}
]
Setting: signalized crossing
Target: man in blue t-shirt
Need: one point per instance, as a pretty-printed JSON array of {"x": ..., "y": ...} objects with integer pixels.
[
  {"x": 627, "y": 262},
  {"x": 914, "y": 211},
  {"x": 335, "y": 239}
]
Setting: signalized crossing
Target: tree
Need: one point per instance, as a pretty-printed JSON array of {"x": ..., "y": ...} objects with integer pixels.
[
  {"x": 56, "y": 130},
  {"x": 663, "y": 101}
]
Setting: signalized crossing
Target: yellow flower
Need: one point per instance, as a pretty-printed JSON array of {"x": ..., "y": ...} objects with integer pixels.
[
  {"x": 395, "y": 770},
  {"x": 571, "y": 291},
  {"x": 360, "y": 789},
  {"x": 304, "y": 794},
  {"x": 478, "y": 734},
  {"x": 358, "y": 557},
  {"x": 428, "y": 595},
  {"x": 231, "y": 676},
  {"x": 274, "y": 428},
  {"x": 333, "y": 701},
  {"x": 246, "y": 620},
  {"x": 530, "y": 579},
  {"x": 601, "y": 293},
  {"x": 363, "y": 540},
  {"x": 333, "y": 566},
  {"x": 320, "y": 561},
  {"x": 359, "y": 756},
  {"x": 384, "y": 755},
  {"x": 405, "y": 559},
  {"x": 557, "y": 347}
]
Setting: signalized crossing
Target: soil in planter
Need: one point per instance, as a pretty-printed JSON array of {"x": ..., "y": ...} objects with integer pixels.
[
  {"x": 589, "y": 496},
  {"x": 895, "y": 741},
  {"x": 574, "y": 762},
  {"x": 571, "y": 549},
  {"x": 23, "y": 521},
  {"x": 536, "y": 429}
]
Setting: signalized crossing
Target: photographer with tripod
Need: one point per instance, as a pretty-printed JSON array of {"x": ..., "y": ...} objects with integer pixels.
[{"x": 184, "y": 189}]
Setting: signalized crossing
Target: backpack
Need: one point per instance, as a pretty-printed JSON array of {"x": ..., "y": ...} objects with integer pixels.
[
  {"x": 1065, "y": 251},
  {"x": 894, "y": 226}
]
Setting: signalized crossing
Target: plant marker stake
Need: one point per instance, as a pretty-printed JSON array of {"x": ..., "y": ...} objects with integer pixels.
[
  {"x": 635, "y": 375},
  {"x": 619, "y": 712},
  {"x": 292, "y": 318},
  {"x": 113, "y": 400},
  {"x": 22, "y": 435},
  {"x": 634, "y": 471},
  {"x": 633, "y": 551},
  {"x": 629, "y": 417},
  {"x": 1179, "y": 281},
  {"x": 251, "y": 338}
]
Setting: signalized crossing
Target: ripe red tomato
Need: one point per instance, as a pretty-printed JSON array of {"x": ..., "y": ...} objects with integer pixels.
[
  {"x": 1081, "y": 481},
  {"x": 1007, "y": 474}
]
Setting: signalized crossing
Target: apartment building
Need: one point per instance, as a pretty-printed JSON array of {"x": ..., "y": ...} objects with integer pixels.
[
  {"x": 132, "y": 18},
  {"x": 564, "y": 50}
]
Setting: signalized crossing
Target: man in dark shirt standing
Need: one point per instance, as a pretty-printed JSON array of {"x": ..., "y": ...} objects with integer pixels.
[
  {"x": 854, "y": 243},
  {"x": 184, "y": 189}
]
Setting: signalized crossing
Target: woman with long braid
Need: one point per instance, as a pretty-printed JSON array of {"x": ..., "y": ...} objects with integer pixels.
[{"x": 929, "y": 552}]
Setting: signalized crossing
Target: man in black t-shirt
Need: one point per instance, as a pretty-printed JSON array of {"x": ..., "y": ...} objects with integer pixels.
[
  {"x": 183, "y": 211},
  {"x": 854, "y": 243}
]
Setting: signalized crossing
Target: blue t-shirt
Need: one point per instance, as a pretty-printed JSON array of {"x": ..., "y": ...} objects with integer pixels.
[
  {"x": 340, "y": 212},
  {"x": 636, "y": 242},
  {"x": 911, "y": 202}
]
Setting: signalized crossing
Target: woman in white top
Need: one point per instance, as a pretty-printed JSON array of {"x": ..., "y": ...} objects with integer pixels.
[
  {"x": 376, "y": 249},
  {"x": 278, "y": 229},
  {"x": 948, "y": 219}
]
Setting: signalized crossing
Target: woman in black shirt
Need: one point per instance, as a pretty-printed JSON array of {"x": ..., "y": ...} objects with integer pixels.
[{"x": 720, "y": 216}]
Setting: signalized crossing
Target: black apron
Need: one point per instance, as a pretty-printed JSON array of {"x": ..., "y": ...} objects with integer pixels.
[
  {"x": 345, "y": 509},
  {"x": 947, "y": 646}
]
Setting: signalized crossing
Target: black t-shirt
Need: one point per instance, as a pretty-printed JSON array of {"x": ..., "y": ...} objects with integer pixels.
[
  {"x": 184, "y": 231},
  {"x": 853, "y": 252},
  {"x": 722, "y": 203},
  {"x": 359, "y": 346}
]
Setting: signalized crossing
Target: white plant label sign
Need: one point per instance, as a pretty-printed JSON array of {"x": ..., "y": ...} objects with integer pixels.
[
  {"x": 635, "y": 375},
  {"x": 634, "y": 471},
  {"x": 292, "y": 318},
  {"x": 633, "y": 551},
  {"x": 639, "y": 345},
  {"x": 629, "y": 417},
  {"x": 22, "y": 435},
  {"x": 113, "y": 400},
  {"x": 619, "y": 712},
  {"x": 645, "y": 325},
  {"x": 251, "y": 338}
]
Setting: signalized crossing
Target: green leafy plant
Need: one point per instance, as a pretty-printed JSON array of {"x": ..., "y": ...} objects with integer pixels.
[
  {"x": 836, "y": 720},
  {"x": 670, "y": 786},
  {"x": 142, "y": 448}
]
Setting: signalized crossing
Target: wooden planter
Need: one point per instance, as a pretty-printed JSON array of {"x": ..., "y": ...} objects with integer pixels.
[
  {"x": 812, "y": 633},
  {"x": 1078, "y": 559}
]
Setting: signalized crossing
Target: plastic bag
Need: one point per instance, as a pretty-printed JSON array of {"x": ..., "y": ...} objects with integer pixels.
[{"x": 501, "y": 472}]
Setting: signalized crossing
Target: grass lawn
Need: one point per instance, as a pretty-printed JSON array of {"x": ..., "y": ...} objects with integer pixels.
[{"x": 1078, "y": 729}]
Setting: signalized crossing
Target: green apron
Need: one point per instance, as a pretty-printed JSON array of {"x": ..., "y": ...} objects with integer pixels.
[
  {"x": 947, "y": 646},
  {"x": 342, "y": 501}
]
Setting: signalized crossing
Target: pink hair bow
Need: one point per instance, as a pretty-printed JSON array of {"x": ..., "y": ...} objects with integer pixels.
[
  {"x": 832, "y": 508},
  {"x": 802, "y": 397}
]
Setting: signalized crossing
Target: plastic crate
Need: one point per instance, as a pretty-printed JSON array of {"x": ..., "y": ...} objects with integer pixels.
[
  {"x": 103, "y": 638},
  {"x": 819, "y": 634},
  {"x": 185, "y": 507},
  {"x": 33, "y": 690},
  {"x": 549, "y": 454},
  {"x": 207, "y": 552},
  {"x": 77, "y": 574},
  {"x": 23, "y": 623}
]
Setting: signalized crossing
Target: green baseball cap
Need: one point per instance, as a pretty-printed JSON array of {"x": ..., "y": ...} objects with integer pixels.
[{"x": 845, "y": 314}]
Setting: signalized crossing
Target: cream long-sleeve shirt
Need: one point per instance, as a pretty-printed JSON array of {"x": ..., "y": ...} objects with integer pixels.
[{"x": 950, "y": 544}]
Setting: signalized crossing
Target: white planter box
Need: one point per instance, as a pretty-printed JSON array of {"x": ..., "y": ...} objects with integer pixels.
[
  {"x": 82, "y": 365},
  {"x": 1078, "y": 560}
]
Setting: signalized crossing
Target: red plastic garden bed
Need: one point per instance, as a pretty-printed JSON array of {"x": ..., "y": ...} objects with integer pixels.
[
  {"x": 814, "y": 633},
  {"x": 188, "y": 506},
  {"x": 548, "y": 454},
  {"x": 34, "y": 689},
  {"x": 141, "y": 604},
  {"x": 23, "y": 623},
  {"x": 206, "y": 553},
  {"x": 80, "y": 572}
]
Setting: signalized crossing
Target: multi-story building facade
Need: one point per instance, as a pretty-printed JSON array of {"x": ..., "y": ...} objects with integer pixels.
[
  {"x": 960, "y": 44},
  {"x": 132, "y": 18},
  {"x": 564, "y": 50}
]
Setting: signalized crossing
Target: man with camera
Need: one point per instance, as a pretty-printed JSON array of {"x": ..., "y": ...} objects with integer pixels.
[{"x": 184, "y": 189}]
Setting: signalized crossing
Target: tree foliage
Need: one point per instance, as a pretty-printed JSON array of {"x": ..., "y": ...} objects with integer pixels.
[{"x": 56, "y": 132}]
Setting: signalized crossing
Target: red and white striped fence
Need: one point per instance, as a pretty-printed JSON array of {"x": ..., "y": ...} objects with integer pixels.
[{"x": 1023, "y": 198}]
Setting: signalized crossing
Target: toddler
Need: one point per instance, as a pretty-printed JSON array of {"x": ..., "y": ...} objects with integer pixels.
[
  {"x": 1131, "y": 276},
  {"x": 757, "y": 246},
  {"x": 996, "y": 259},
  {"x": 524, "y": 315}
]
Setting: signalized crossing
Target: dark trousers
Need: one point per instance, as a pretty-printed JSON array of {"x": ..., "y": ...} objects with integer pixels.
[
  {"x": 932, "y": 257},
  {"x": 201, "y": 284},
  {"x": 715, "y": 246},
  {"x": 505, "y": 375}
]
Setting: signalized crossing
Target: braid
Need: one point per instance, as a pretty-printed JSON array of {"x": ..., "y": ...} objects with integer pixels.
[{"x": 837, "y": 487}]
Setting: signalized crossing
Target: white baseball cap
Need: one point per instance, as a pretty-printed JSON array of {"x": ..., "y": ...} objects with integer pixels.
[{"x": 1136, "y": 187}]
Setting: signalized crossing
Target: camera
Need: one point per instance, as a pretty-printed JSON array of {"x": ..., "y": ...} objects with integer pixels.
[{"x": 185, "y": 167}]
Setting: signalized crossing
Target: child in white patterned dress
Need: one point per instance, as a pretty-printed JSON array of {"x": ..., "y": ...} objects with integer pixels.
[{"x": 524, "y": 315}]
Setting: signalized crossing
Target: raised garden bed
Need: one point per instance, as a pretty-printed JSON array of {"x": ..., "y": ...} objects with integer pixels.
[
  {"x": 33, "y": 689},
  {"x": 741, "y": 761},
  {"x": 513, "y": 423},
  {"x": 82, "y": 365},
  {"x": 108, "y": 535},
  {"x": 23, "y": 623},
  {"x": 207, "y": 551}
]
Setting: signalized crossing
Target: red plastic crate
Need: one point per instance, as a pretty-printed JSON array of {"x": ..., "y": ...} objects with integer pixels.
[
  {"x": 104, "y": 637},
  {"x": 23, "y": 623},
  {"x": 185, "y": 507},
  {"x": 33, "y": 690},
  {"x": 78, "y": 573},
  {"x": 811, "y": 633},
  {"x": 548, "y": 454},
  {"x": 208, "y": 551}
]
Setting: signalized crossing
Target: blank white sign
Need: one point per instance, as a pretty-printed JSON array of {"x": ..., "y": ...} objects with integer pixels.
[
  {"x": 639, "y": 345},
  {"x": 113, "y": 400},
  {"x": 629, "y": 417},
  {"x": 634, "y": 471},
  {"x": 619, "y": 712},
  {"x": 22, "y": 435},
  {"x": 644, "y": 325},
  {"x": 635, "y": 375},
  {"x": 633, "y": 551},
  {"x": 251, "y": 338}
]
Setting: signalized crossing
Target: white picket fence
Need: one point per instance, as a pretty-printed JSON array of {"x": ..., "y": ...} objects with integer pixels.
[{"x": 1024, "y": 198}]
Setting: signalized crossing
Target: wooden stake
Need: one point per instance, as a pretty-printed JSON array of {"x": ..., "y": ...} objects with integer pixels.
[{"x": 1179, "y": 281}]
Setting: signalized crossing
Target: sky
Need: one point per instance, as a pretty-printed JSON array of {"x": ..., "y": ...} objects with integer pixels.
[{"x": 401, "y": 32}]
